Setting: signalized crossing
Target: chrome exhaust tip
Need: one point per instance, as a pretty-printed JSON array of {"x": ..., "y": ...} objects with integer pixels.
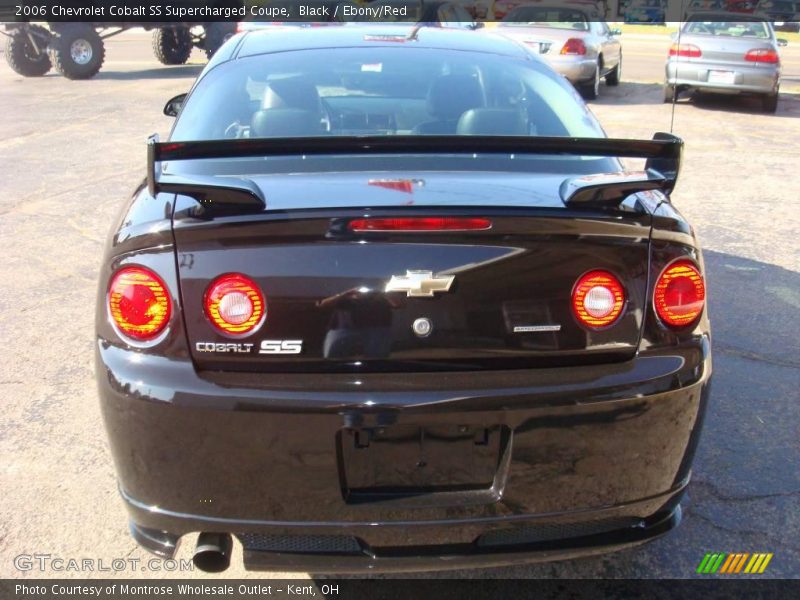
[{"x": 213, "y": 552}]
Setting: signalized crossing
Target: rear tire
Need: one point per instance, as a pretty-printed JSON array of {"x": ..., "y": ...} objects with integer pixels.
[
  {"x": 613, "y": 78},
  {"x": 172, "y": 45},
  {"x": 21, "y": 54},
  {"x": 591, "y": 89},
  {"x": 769, "y": 102},
  {"x": 77, "y": 51},
  {"x": 216, "y": 35},
  {"x": 670, "y": 94}
]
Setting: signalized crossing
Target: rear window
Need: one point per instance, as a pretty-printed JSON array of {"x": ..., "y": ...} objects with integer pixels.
[
  {"x": 554, "y": 18},
  {"x": 748, "y": 29},
  {"x": 382, "y": 91}
]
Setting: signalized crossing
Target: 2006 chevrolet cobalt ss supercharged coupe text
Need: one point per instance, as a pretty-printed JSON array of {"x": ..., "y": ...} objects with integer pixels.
[{"x": 390, "y": 301}]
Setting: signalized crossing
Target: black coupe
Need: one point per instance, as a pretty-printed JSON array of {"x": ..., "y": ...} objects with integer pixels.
[{"x": 388, "y": 300}]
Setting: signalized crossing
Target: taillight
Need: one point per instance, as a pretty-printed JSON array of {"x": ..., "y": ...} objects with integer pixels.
[
  {"x": 411, "y": 224},
  {"x": 597, "y": 299},
  {"x": 234, "y": 304},
  {"x": 680, "y": 294},
  {"x": 686, "y": 50},
  {"x": 574, "y": 46},
  {"x": 762, "y": 55},
  {"x": 139, "y": 303}
]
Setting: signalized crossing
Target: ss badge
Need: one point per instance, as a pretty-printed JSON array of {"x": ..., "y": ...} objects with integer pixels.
[{"x": 281, "y": 347}]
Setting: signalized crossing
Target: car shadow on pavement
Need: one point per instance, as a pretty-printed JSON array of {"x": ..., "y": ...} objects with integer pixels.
[
  {"x": 630, "y": 92},
  {"x": 634, "y": 93},
  {"x": 788, "y": 103},
  {"x": 180, "y": 72},
  {"x": 745, "y": 489}
]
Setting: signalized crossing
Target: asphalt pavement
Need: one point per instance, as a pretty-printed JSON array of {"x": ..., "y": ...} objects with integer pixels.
[{"x": 71, "y": 152}]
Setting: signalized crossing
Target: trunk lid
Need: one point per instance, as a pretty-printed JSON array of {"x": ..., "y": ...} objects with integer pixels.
[
  {"x": 543, "y": 40},
  {"x": 509, "y": 304},
  {"x": 725, "y": 51}
]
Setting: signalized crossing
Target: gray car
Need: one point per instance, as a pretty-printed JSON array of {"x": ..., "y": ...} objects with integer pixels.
[
  {"x": 572, "y": 39},
  {"x": 727, "y": 57}
]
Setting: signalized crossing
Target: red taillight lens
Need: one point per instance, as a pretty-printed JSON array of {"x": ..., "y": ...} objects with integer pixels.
[
  {"x": 234, "y": 304},
  {"x": 597, "y": 299},
  {"x": 762, "y": 55},
  {"x": 686, "y": 50},
  {"x": 574, "y": 46},
  {"x": 138, "y": 303},
  {"x": 412, "y": 224},
  {"x": 680, "y": 294}
]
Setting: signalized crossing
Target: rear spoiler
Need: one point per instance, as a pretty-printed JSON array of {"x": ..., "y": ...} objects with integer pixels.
[{"x": 663, "y": 154}]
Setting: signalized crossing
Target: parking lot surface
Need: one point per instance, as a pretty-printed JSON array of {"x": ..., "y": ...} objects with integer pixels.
[{"x": 72, "y": 151}]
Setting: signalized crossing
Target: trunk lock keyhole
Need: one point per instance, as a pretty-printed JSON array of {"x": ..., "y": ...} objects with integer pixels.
[{"x": 422, "y": 327}]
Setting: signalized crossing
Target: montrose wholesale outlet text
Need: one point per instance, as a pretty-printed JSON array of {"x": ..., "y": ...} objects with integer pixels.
[
  {"x": 186, "y": 589},
  {"x": 182, "y": 12}
]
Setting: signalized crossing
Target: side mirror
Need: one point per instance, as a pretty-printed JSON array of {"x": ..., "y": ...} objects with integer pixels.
[
  {"x": 783, "y": 42},
  {"x": 174, "y": 105},
  {"x": 616, "y": 32}
]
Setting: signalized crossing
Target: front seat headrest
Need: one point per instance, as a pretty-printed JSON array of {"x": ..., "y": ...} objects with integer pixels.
[
  {"x": 492, "y": 121},
  {"x": 292, "y": 92},
  {"x": 285, "y": 122},
  {"x": 450, "y": 95}
]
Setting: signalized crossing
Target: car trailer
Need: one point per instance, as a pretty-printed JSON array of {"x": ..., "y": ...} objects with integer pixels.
[{"x": 77, "y": 50}]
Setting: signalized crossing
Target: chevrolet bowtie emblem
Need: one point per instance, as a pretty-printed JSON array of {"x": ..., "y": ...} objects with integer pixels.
[{"x": 419, "y": 284}]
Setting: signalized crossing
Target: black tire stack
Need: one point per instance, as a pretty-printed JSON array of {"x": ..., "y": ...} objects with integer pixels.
[
  {"x": 23, "y": 56},
  {"x": 77, "y": 51},
  {"x": 172, "y": 45}
]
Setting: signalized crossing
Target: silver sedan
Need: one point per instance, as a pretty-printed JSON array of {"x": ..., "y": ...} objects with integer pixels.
[
  {"x": 572, "y": 39},
  {"x": 727, "y": 57}
]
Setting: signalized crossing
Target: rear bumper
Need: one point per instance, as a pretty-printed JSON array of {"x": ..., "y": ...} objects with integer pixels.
[
  {"x": 516, "y": 542},
  {"x": 748, "y": 80},
  {"x": 598, "y": 459},
  {"x": 576, "y": 69}
]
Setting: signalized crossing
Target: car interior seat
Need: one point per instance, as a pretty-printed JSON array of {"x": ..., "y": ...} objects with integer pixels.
[
  {"x": 493, "y": 121},
  {"x": 448, "y": 98},
  {"x": 290, "y": 107}
]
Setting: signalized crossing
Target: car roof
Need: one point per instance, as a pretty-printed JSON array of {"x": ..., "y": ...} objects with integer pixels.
[{"x": 371, "y": 36}]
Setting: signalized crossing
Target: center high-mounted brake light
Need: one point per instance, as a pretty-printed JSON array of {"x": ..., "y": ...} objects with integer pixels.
[
  {"x": 762, "y": 55},
  {"x": 574, "y": 46},
  {"x": 234, "y": 304},
  {"x": 598, "y": 299},
  {"x": 685, "y": 50},
  {"x": 138, "y": 303},
  {"x": 413, "y": 224}
]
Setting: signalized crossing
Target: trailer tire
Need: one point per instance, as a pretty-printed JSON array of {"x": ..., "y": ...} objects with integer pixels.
[
  {"x": 172, "y": 45},
  {"x": 77, "y": 51},
  {"x": 216, "y": 35},
  {"x": 21, "y": 54}
]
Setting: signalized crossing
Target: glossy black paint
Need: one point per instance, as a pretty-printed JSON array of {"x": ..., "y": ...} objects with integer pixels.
[
  {"x": 474, "y": 446},
  {"x": 589, "y": 437},
  {"x": 328, "y": 290},
  {"x": 588, "y": 442}
]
